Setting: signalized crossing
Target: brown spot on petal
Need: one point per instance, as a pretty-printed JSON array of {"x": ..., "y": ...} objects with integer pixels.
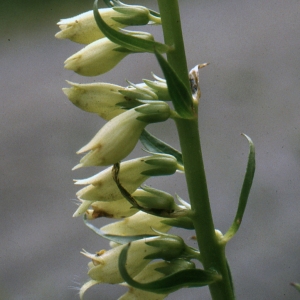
[{"x": 98, "y": 213}]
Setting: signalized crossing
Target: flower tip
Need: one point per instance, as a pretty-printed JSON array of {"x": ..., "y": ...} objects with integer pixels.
[{"x": 77, "y": 167}]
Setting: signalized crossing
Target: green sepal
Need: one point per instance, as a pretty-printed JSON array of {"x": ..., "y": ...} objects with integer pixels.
[
  {"x": 179, "y": 93},
  {"x": 128, "y": 41},
  {"x": 160, "y": 88},
  {"x": 155, "y": 145},
  {"x": 170, "y": 283},
  {"x": 130, "y": 103},
  {"x": 159, "y": 171},
  {"x": 116, "y": 238},
  {"x": 176, "y": 265},
  {"x": 166, "y": 164},
  {"x": 157, "y": 111},
  {"x": 248, "y": 179},
  {"x": 180, "y": 222},
  {"x": 133, "y": 15},
  {"x": 117, "y": 3},
  {"x": 157, "y": 200}
]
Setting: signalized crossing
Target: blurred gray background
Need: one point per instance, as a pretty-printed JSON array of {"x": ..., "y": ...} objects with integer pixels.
[{"x": 251, "y": 86}]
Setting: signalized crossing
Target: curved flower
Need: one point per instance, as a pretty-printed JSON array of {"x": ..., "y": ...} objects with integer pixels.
[
  {"x": 104, "y": 265},
  {"x": 83, "y": 28},
  {"x": 96, "y": 58},
  {"x": 133, "y": 173},
  {"x": 117, "y": 138},
  {"x": 138, "y": 224},
  {"x": 100, "y": 98}
]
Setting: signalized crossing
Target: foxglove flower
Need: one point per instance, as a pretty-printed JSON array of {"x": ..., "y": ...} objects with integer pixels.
[
  {"x": 117, "y": 138},
  {"x": 133, "y": 173},
  {"x": 100, "y": 98},
  {"x": 104, "y": 265},
  {"x": 139, "y": 223},
  {"x": 96, "y": 58},
  {"x": 83, "y": 28}
]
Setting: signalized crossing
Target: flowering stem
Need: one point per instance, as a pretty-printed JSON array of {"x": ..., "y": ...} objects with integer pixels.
[{"x": 212, "y": 252}]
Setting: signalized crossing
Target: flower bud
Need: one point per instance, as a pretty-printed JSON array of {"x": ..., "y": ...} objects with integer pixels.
[
  {"x": 96, "y": 58},
  {"x": 117, "y": 138},
  {"x": 138, "y": 224},
  {"x": 133, "y": 173},
  {"x": 83, "y": 28}
]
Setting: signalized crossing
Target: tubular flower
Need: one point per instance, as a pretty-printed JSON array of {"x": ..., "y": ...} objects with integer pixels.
[
  {"x": 104, "y": 265},
  {"x": 100, "y": 56},
  {"x": 117, "y": 209},
  {"x": 133, "y": 173},
  {"x": 96, "y": 58},
  {"x": 83, "y": 28},
  {"x": 109, "y": 100},
  {"x": 139, "y": 223},
  {"x": 100, "y": 98},
  {"x": 123, "y": 209},
  {"x": 117, "y": 138}
]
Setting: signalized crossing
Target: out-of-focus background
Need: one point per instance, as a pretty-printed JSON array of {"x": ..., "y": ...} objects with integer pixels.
[{"x": 251, "y": 86}]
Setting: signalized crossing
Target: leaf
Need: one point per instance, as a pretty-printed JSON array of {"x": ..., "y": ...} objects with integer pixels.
[
  {"x": 180, "y": 95},
  {"x": 128, "y": 41},
  {"x": 155, "y": 145},
  {"x": 248, "y": 179},
  {"x": 170, "y": 283}
]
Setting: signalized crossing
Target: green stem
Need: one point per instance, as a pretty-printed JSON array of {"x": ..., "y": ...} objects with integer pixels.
[
  {"x": 170, "y": 16},
  {"x": 212, "y": 252}
]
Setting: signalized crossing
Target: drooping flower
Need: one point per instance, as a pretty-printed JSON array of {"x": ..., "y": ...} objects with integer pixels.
[
  {"x": 96, "y": 58},
  {"x": 117, "y": 138},
  {"x": 83, "y": 28},
  {"x": 104, "y": 266},
  {"x": 102, "y": 187},
  {"x": 100, "y": 98},
  {"x": 139, "y": 223}
]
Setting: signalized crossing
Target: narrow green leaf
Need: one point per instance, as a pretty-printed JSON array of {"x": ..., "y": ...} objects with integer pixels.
[
  {"x": 180, "y": 95},
  {"x": 155, "y": 145},
  {"x": 128, "y": 41},
  {"x": 170, "y": 283},
  {"x": 296, "y": 286},
  {"x": 248, "y": 179}
]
